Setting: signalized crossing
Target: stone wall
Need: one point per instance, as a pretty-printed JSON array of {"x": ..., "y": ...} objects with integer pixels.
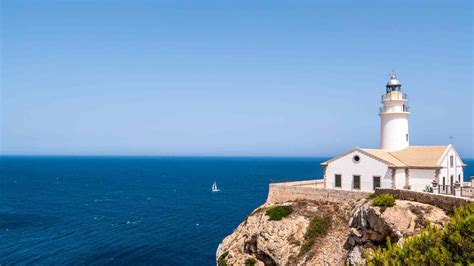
[
  {"x": 445, "y": 202},
  {"x": 283, "y": 192},
  {"x": 315, "y": 182}
]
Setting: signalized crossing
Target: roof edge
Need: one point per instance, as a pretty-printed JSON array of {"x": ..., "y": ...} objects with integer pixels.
[
  {"x": 445, "y": 152},
  {"x": 361, "y": 151}
]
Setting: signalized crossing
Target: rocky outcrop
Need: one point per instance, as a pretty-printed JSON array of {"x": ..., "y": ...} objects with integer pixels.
[
  {"x": 369, "y": 227},
  {"x": 279, "y": 242},
  {"x": 356, "y": 227}
]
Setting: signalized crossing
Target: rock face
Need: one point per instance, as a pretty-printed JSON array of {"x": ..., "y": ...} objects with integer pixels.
[
  {"x": 370, "y": 227},
  {"x": 355, "y": 228},
  {"x": 279, "y": 242}
]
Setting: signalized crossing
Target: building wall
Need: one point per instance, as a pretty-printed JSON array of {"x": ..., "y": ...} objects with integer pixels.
[
  {"x": 387, "y": 179},
  {"x": 367, "y": 167},
  {"x": 456, "y": 170},
  {"x": 420, "y": 178},
  {"x": 400, "y": 180}
]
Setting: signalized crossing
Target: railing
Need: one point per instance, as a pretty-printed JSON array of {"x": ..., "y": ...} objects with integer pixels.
[
  {"x": 467, "y": 192},
  {"x": 394, "y": 96},
  {"x": 458, "y": 191},
  {"x": 446, "y": 189},
  {"x": 393, "y": 109},
  {"x": 315, "y": 183}
]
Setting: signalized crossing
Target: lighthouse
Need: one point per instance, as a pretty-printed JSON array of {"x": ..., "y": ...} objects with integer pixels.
[
  {"x": 394, "y": 115},
  {"x": 396, "y": 164}
]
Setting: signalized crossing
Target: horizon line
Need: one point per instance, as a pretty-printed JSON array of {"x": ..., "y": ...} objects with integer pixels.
[{"x": 161, "y": 155}]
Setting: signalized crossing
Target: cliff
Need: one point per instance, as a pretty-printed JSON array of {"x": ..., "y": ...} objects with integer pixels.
[{"x": 321, "y": 232}]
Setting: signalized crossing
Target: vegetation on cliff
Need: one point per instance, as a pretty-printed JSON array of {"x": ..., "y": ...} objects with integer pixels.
[
  {"x": 222, "y": 261},
  {"x": 279, "y": 212},
  {"x": 319, "y": 226},
  {"x": 384, "y": 201},
  {"x": 433, "y": 246},
  {"x": 250, "y": 262}
]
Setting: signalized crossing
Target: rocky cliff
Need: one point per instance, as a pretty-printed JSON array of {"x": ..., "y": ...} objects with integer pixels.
[{"x": 354, "y": 227}]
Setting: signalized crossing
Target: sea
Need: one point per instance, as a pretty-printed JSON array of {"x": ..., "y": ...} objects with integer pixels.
[{"x": 132, "y": 210}]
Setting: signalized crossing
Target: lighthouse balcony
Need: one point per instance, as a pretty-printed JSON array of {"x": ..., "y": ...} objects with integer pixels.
[
  {"x": 394, "y": 96},
  {"x": 394, "y": 109}
]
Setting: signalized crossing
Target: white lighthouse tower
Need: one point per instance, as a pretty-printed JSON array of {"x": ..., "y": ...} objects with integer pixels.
[{"x": 394, "y": 117}]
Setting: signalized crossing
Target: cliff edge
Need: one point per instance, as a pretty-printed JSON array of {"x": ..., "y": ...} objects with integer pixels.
[{"x": 306, "y": 232}]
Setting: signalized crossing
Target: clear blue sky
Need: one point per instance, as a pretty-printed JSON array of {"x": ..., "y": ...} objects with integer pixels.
[{"x": 220, "y": 78}]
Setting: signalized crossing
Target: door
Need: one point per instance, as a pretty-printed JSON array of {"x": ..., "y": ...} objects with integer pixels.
[{"x": 376, "y": 182}]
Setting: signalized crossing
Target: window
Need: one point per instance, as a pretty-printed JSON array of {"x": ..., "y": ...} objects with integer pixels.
[
  {"x": 356, "y": 182},
  {"x": 452, "y": 180},
  {"x": 459, "y": 178},
  {"x": 356, "y": 159},
  {"x": 376, "y": 182},
  {"x": 407, "y": 137},
  {"x": 444, "y": 180},
  {"x": 451, "y": 161},
  {"x": 337, "y": 181}
]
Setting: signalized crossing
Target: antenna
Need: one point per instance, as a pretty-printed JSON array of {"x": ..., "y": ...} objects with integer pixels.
[{"x": 450, "y": 139}]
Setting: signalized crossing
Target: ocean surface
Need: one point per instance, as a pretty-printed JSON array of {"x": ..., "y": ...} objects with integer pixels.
[{"x": 132, "y": 210}]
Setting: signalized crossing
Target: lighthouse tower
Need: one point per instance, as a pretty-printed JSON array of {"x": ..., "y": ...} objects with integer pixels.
[{"x": 394, "y": 117}]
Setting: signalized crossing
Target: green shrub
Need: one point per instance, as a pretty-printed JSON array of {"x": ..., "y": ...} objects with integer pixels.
[
  {"x": 433, "y": 246},
  {"x": 279, "y": 212},
  {"x": 319, "y": 226},
  {"x": 222, "y": 259},
  {"x": 428, "y": 189},
  {"x": 459, "y": 234},
  {"x": 250, "y": 262},
  {"x": 384, "y": 201}
]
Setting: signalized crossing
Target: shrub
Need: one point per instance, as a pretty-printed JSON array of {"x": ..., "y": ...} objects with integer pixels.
[
  {"x": 384, "y": 201},
  {"x": 250, "y": 262},
  {"x": 279, "y": 212},
  {"x": 222, "y": 259},
  {"x": 319, "y": 226},
  {"x": 428, "y": 189},
  {"x": 459, "y": 234},
  {"x": 433, "y": 246}
]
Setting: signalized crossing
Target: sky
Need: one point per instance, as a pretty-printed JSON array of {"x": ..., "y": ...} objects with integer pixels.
[{"x": 222, "y": 78}]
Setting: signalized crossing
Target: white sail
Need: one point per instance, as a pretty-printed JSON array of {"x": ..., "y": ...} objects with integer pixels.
[{"x": 214, "y": 187}]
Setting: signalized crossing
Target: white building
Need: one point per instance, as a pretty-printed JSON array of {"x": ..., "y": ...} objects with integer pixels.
[{"x": 396, "y": 164}]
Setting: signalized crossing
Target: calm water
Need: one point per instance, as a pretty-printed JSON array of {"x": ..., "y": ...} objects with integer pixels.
[
  {"x": 133, "y": 210},
  {"x": 121, "y": 210}
]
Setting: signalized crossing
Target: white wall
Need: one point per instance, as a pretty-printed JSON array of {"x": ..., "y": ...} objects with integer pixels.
[
  {"x": 393, "y": 130},
  {"x": 367, "y": 167},
  {"x": 456, "y": 170},
  {"x": 387, "y": 179},
  {"x": 420, "y": 178},
  {"x": 400, "y": 179}
]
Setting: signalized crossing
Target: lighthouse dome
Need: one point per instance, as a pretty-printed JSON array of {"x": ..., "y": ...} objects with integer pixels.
[{"x": 393, "y": 81}]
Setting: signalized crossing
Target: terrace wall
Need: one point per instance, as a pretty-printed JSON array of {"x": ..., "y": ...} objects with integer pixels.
[
  {"x": 292, "y": 191},
  {"x": 445, "y": 202}
]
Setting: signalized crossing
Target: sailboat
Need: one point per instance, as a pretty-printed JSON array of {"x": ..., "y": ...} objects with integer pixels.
[{"x": 214, "y": 187}]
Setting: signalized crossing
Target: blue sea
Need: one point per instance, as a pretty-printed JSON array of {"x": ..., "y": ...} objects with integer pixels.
[{"x": 132, "y": 210}]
